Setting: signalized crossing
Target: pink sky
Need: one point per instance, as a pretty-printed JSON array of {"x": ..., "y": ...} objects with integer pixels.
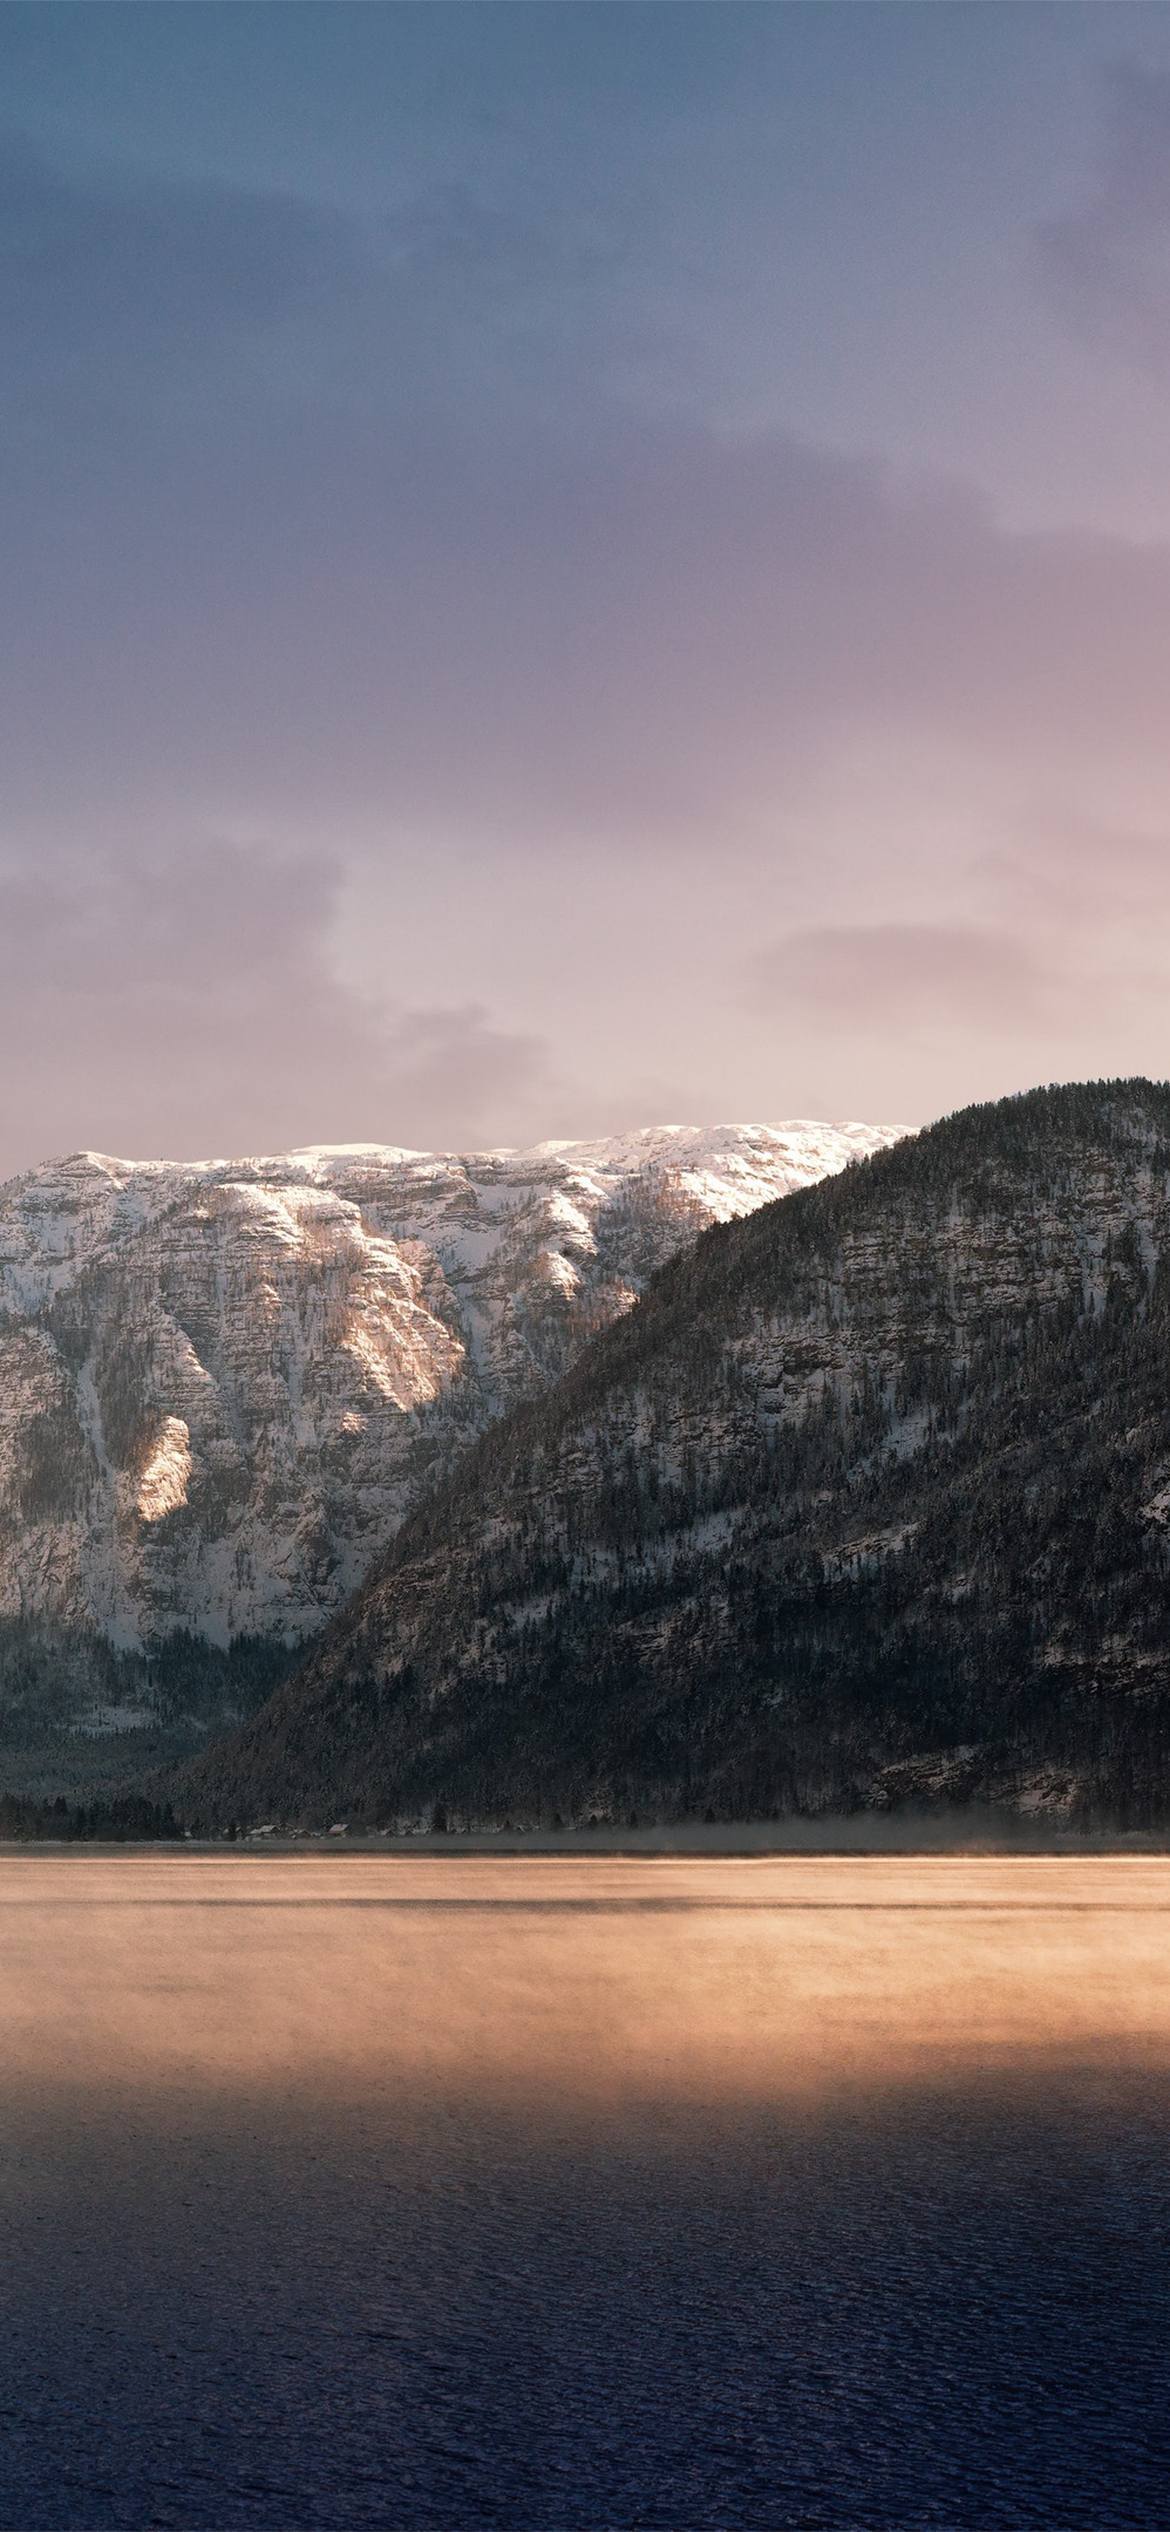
[{"x": 568, "y": 569}]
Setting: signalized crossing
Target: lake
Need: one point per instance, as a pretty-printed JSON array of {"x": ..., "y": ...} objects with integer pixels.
[{"x": 585, "y": 2193}]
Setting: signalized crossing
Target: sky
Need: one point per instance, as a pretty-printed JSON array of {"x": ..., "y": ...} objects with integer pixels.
[{"x": 567, "y": 567}]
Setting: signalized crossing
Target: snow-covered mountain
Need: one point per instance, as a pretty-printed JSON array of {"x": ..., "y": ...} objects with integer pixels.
[
  {"x": 868, "y": 1503},
  {"x": 222, "y": 1382}
]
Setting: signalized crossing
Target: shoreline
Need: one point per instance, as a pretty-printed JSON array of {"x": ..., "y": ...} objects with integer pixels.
[{"x": 837, "y": 1839}]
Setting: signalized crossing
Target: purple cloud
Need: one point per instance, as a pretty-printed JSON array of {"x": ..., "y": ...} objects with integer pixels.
[
  {"x": 137, "y": 1004},
  {"x": 376, "y": 536}
]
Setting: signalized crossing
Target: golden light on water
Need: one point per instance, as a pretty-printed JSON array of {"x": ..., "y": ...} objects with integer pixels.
[{"x": 592, "y": 1979}]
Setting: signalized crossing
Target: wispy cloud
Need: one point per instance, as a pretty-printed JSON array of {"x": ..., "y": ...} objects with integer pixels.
[
  {"x": 116, "y": 264},
  {"x": 1106, "y": 263},
  {"x": 901, "y": 976},
  {"x": 141, "y": 1003}
]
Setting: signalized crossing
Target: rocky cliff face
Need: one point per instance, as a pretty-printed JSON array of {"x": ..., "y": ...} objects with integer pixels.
[
  {"x": 867, "y": 1500},
  {"x": 221, "y": 1385}
]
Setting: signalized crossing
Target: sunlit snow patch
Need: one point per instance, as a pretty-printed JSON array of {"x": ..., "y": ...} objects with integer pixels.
[{"x": 162, "y": 1486}]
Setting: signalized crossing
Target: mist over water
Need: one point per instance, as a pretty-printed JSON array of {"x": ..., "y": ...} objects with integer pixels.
[{"x": 423, "y": 2191}]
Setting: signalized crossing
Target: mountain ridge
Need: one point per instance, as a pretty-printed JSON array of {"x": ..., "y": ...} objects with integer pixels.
[
  {"x": 867, "y": 1501},
  {"x": 222, "y": 1382}
]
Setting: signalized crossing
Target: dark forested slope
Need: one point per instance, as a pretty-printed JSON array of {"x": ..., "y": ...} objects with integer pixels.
[{"x": 868, "y": 1499}]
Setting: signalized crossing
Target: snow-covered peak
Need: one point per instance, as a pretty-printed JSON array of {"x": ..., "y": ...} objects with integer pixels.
[{"x": 223, "y": 1381}]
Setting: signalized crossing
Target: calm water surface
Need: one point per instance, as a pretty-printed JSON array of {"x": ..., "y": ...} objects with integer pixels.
[{"x": 585, "y": 2194}]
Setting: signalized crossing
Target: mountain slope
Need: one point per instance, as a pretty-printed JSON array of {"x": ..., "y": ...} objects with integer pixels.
[
  {"x": 870, "y": 1497},
  {"x": 222, "y": 1383}
]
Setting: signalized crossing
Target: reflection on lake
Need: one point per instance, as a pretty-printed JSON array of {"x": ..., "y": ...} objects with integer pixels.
[{"x": 585, "y": 2193}]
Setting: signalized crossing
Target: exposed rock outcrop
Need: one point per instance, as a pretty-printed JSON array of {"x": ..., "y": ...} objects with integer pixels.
[{"x": 221, "y": 1384}]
